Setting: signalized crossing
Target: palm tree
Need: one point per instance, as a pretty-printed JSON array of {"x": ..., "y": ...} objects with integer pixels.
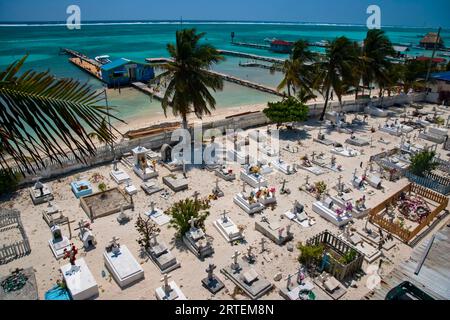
[
  {"x": 187, "y": 77},
  {"x": 41, "y": 117},
  {"x": 335, "y": 70},
  {"x": 374, "y": 65},
  {"x": 297, "y": 69}
]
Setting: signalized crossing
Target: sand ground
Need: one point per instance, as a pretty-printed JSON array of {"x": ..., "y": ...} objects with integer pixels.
[{"x": 192, "y": 270}]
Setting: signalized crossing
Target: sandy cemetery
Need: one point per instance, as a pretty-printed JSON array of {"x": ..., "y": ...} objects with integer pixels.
[{"x": 307, "y": 222}]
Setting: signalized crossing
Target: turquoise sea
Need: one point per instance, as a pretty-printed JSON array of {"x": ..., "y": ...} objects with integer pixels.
[{"x": 140, "y": 40}]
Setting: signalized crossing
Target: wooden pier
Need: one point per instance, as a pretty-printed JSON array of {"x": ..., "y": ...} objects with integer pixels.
[
  {"x": 250, "y": 56},
  {"x": 259, "y": 65},
  {"x": 148, "y": 90},
  {"x": 251, "y": 45},
  {"x": 84, "y": 63}
]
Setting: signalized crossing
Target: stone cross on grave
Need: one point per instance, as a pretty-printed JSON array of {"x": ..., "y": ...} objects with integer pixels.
[
  {"x": 224, "y": 216},
  {"x": 340, "y": 183},
  {"x": 313, "y": 155},
  {"x": 153, "y": 238},
  {"x": 217, "y": 184},
  {"x": 289, "y": 282},
  {"x": 354, "y": 173},
  {"x": 249, "y": 252},
  {"x": 152, "y": 206},
  {"x": 307, "y": 180},
  {"x": 243, "y": 187},
  {"x": 365, "y": 171},
  {"x": 195, "y": 195},
  {"x": 192, "y": 221},
  {"x": 167, "y": 288},
  {"x": 283, "y": 186},
  {"x": 288, "y": 229},
  {"x": 210, "y": 271},
  {"x": 263, "y": 245},
  {"x": 235, "y": 256},
  {"x": 300, "y": 275}
]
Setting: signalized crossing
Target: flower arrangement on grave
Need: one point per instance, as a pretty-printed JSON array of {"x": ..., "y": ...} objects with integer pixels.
[
  {"x": 320, "y": 187},
  {"x": 146, "y": 228},
  {"x": 103, "y": 187},
  {"x": 96, "y": 178},
  {"x": 339, "y": 212},
  {"x": 348, "y": 207},
  {"x": 254, "y": 170},
  {"x": 183, "y": 211}
]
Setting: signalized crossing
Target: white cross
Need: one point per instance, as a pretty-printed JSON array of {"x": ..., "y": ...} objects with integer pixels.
[
  {"x": 224, "y": 216},
  {"x": 249, "y": 252},
  {"x": 114, "y": 241},
  {"x": 153, "y": 237},
  {"x": 307, "y": 180},
  {"x": 166, "y": 278},
  {"x": 152, "y": 207},
  {"x": 192, "y": 221},
  {"x": 235, "y": 256}
]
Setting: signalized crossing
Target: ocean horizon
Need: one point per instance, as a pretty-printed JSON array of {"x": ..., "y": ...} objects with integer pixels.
[{"x": 137, "y": 40}]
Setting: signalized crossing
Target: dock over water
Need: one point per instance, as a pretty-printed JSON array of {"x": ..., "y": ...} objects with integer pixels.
[
  {"x": 85, "y": 63},
  {"x": 148, "y": 90},
  {"x": 250, "y": 56}
]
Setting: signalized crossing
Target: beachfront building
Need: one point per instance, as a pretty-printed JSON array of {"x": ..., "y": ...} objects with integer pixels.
[
  {"x": 430, "y": 40},
  {"x": 122, "y": 72},
  {"x": 441, "y": 84},
  {"x": 281, "y": 46}
]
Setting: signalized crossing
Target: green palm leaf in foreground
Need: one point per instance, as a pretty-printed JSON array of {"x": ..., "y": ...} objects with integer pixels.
[{"x": 42, "y": 117}]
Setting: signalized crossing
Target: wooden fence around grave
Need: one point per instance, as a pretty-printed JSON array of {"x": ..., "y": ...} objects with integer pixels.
[
  {"x": 405, "y": 234},
  {"x": 336, "y": 268},
  {"x": 11, "y": 219}
]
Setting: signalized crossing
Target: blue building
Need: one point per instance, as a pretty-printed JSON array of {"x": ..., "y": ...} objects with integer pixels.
[{"x": 122, "y": 72}]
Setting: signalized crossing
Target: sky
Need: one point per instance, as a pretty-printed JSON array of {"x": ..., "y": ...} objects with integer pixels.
[{"x": 416, "y": 13}]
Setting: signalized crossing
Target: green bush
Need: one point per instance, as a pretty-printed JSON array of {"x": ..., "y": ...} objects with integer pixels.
[
  {"x": 310, "y": 253},
  {"x": 8, "y": 181},
  {"x": 184, "y": 210},
  {"x": 288, "y": 110},
  {"x": 422, "y": 163}
]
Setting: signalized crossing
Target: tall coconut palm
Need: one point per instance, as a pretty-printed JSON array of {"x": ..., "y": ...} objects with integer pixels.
[
  {"x": 297, "y": 70},
  {"x": 44, "y": 117},
  {"x": 374, "y": 64},
  {"x": 187, "y": 78},
  {"x": 335, "y": 70}
]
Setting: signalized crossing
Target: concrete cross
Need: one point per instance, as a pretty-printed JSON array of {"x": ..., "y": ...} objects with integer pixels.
[
  {"x": 166, "y": 278},
  {"x": 307, "y": 180},
  {"x": 153, "y": 238},
  {"x": 284, "y": 185},
  {"x": 192, "y": 221},
  {"x": 340, "y": 183},
  {"x": 114, "y": 241},
  {"x": 217, "y": 183},
  {"x": 289, "y": 282},
  {"x": 263, "y": 244},
  {"x": 152, "y": 206},
  {"x": 210, "y": 271},
  {"x": 235, "y": 257},
  {"x": 249, "y": 252},
  {"x": 313, "y": 155},
  {"x": 288, "y": 229},
  {"x": 224, "y": 216},
  {"x": 354, "y": 173},
  {"x": 195, "y": 195},
  {"x": 243, "y": 187}
]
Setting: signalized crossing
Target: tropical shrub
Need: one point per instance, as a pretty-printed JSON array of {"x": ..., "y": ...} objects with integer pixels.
[
  {"x": 184, "y": 210},
  {"x": 288, "y": 110}
]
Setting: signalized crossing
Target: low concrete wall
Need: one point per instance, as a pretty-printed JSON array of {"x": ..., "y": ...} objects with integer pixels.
[{"x": 105, "y": 155}]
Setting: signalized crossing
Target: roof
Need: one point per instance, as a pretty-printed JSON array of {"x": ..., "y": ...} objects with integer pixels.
[
  {"x": 433, "y": 277},
  {"x": 444, "y": 76},
  {"x": 282, "y": 43},
  {"x": 431, "y": 37},
  {"x": 118, "y": 63},
  {"x": 436, "y": 60}
]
